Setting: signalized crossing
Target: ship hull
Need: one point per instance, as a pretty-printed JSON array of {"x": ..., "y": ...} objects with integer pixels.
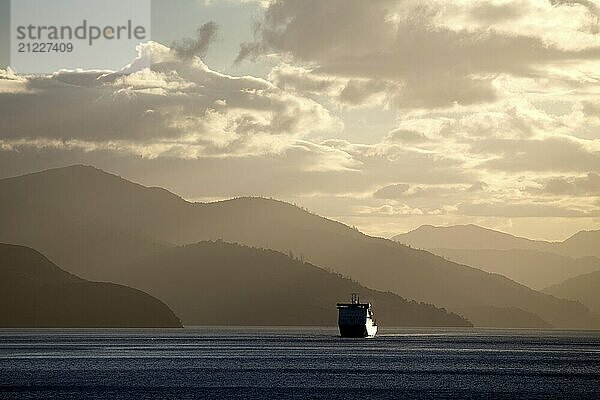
[{"x": 357, "y": 331}]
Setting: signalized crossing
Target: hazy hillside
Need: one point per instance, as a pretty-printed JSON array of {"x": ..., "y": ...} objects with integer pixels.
[
  {"x": 217, "y": 283},
  {"x": 583, "y": 288},
  {"x": 465, "y": 237},
  {"x": 36, "y": 293},
  {"x": 532, "y": 268},
  {"x": 80, "y": 217},
  {"x": 584, "y": 243},
  {"x": 581, "y": 244},
  {"x": 505, "y": 317},
  {"x": 77, "y": 197}
]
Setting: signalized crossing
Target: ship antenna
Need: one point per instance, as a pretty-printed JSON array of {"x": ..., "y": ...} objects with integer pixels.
[{"x": 355, "y": 298}]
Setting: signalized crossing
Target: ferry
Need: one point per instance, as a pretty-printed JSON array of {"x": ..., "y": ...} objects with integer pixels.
[{"x": 355, "y": 319}]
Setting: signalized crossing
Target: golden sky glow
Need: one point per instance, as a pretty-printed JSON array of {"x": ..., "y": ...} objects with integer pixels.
[{"x": 383, "y": 114}]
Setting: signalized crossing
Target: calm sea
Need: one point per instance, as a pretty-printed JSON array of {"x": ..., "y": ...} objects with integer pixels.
[{"x": 296, "y": 363}]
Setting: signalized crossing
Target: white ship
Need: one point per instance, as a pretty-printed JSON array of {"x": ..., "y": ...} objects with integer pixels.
[{"x": 355, "y": 319}]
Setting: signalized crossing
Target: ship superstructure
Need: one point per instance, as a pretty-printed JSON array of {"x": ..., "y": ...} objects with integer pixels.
[{"x": 355, "y": 319}]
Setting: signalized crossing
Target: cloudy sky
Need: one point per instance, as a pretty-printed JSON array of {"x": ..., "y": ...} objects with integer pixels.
[{"x": 383, "y": 114}]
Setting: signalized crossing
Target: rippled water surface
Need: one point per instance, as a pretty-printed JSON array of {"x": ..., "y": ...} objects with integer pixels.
[{"x": 294, "y": 363}]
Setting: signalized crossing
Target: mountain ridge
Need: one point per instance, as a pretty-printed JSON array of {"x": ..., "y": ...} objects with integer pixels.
[
  {"x": 533, "y": 268},
  {"x": 70, "y": 197},
  {"x": 471, "y": 236},
  {"x": 537, "y": 264},
  {"x": 220, "y": 283},
  {"x": 583, "y": 288},
  {"x": 34, "y": 292},
  {"x": 480, "y": 237}
]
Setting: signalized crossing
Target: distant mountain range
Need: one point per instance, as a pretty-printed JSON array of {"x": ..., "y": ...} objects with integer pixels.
[
  {"x": 218, "y": 283},
  {"x": 533, "y": 268},
  {"x": 537, "y": 264},
  {"x": 581, "y": 244},
  {"x": 97, "y": 224},
  {"x": 583, "y": 288},
  {"x": 465, "y": 237},
  {"x": 36, "y": 293},
  {"x": 584, "y": 243},
  {"x": 505, "y": 317}
]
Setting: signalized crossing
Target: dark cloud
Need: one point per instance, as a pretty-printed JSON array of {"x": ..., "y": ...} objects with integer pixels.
[
  {"x": 493, "y": 12},
  {"x": 478, "y": 187},
  {"x": 591, "y": 108},
  {"x": 406, "y": 136},
  {"x": 391, "y": 191},
  {"x": 590, "y": 5},
  {"x": 588, "y": 185},
  {"x": 358, "y": 91},
  {"x": 198, "y": 46}
]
